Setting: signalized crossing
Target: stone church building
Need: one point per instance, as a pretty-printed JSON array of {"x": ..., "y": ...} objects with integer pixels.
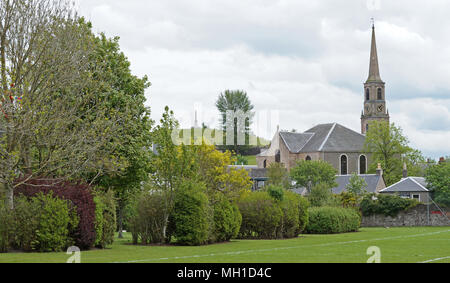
[{"x": 332, "y": 142}]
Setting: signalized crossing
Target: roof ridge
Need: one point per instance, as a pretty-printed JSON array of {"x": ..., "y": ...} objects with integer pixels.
[
  {"x": 312, "y": 135},
  {"x": 327, "y": 137},
  {"x": 412, "y": 179}
]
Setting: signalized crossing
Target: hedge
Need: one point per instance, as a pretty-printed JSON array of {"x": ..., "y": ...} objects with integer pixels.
[
  {"x": 105, "y": 218},
  {"x": 385, "y": 204},
  {"x": 227, "y": 221},
  {"x": 332, "y": 220},
  {"x": 80, "y": 195},
  {"x": 191, "y": 218}
]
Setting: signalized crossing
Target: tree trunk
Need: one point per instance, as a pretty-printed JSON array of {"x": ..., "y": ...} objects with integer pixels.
[{"x": 120, "y": 222}]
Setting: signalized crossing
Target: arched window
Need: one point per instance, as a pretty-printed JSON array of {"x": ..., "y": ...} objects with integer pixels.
[
  {"x": 308, "y": 158},
  {"x": 380, "y": 94},
  {"x": 367, "y": 127},
  {"x": 367, "y": 94},
  {"x": 265, "y": 164},
  {"x": 344, "y": 165},
  {"x": 362, "y": 164},
  {"x": 278, "y": 157}
]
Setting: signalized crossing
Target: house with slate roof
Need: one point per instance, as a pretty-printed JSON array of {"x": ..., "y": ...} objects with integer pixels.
[
  {"x": 332, "y": 142},
  {"x": 410, "y": 187}
]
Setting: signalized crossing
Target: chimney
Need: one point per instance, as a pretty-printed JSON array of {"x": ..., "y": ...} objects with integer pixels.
[
  {"x": 379, "y": 170},
  {"x": 405, "y": 171},
  {"x": 441, "y": 160}
]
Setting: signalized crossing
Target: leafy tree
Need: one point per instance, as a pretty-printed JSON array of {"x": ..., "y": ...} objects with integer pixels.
[
  {"x": 215, "y": 172},
  {"x": 322, "y": 195},
  {"x": 235, "y": 102},
  {"x": 278, "y": 175},
  {"x": 390, "y": 148},
  {"x": 55, "y": 124},
  {"x": 310, "y": 173},
  {"x": 438, "y": 178},
  {"x": 170, "y": 165},
  {"x": 125, "y": 92},
  {"x": 356, "y": 185}
]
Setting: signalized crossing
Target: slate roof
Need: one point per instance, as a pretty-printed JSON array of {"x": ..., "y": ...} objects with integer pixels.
[
  {"x": 371, "y": 180},
  {"x": 410, "y": 184},
  {"x": 254, "y": 172},
  {"x": 324, "y": 138}
]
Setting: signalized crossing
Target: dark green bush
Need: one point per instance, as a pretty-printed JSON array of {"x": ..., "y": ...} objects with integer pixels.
[
  {"x": 6, "y": 223},
  {"x": 26, "y": 223},
  {"x": 291, "y": 220},
  {"x": 303, "y": 209},
  {"x": 148, "y": 222},
  {"x": 227, "y": 221},
  {"x": 385, "y": 204},
  {"x": 276, "y": 192},
  {"x": 191, "y": 218},
  {"x": 261, "y": 216},
  {"x": 105, "y": 218},
  {"x": 332, "y": 220}
]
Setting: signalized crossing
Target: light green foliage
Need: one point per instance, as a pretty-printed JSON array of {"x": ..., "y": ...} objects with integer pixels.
[
  {"x": 227, "y": 220},
  {"x": 276, "y": 192},
  {"x": 391, "y": 149},
  {"x": 310, "y": 173},
  {"x": 438, "y": 178},
  {"x": 331, "y": 220},
  {"x": 322, "y": 195},
  {"x": 291, "y": 215},
  {"x": 278, "y": 175},
  {"x": 190, "y": 217},
  {"x": 357, "y": 185},
  {"x": 303, "y": 208},
  {"x": 105, "y": 218}
]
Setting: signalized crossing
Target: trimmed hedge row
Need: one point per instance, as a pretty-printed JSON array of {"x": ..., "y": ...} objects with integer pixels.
[
  {"x": 269, "y": 215},
  {"x": 388, "y": 205},
  {"x": 49, "y": 217},
  {"x": 332, "y": 220}
]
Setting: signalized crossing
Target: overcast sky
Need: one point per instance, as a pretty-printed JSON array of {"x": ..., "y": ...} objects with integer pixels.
[{"x": 306, "y": 59}]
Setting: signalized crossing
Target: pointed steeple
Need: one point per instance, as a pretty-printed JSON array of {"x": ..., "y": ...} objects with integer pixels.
[{"x": 374, "y": 70}]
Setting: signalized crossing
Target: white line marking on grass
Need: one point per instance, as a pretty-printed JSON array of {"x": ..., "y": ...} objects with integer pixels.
[
  {"x": 285, "y": 248},
  {"x": 436, "y": 259}
]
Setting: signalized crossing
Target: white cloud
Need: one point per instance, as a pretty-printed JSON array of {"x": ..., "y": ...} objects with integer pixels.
[{"x": 306, "y": 59}]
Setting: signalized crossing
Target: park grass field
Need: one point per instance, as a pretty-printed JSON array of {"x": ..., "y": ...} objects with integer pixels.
[{"x": 397, "y": 245}]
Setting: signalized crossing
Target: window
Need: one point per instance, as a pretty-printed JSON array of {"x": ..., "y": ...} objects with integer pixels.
[
  {"x": 278, "y": 157},
  {"x": 380, "y": 94},
  {"x": 417, "y": 197},
  {"x": 265, "y": 164},
  {"x": 344, "y": 165},
  {"x": 367, "y": 127},
  {"x": 308, "y": 158},
  {"x": 362, "y": 164},
  {"x": 367, "y": 94}
]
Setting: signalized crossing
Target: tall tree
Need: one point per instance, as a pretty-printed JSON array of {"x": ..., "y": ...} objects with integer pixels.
[
  {"x": 54, "y": 123},
  {"x": 438, "y": 178},
  {"x": 235, "y": 108},
  {"x": 391, "y": 149},
  {"x": 126, "y": 93}
]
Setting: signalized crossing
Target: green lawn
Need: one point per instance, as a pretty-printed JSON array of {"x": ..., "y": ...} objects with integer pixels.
[
  {"x": 251, "y": 159},
  {"x": 405, "y": 245}
]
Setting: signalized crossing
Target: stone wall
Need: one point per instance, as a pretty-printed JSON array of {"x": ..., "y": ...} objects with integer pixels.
[{"x": 417, "y": 216}]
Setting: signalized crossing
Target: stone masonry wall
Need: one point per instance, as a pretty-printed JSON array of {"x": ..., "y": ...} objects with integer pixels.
[{"x": 417, "y": 216}]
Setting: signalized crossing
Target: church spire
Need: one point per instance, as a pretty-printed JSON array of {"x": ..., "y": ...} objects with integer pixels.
[{"x": 374, "y": 70}]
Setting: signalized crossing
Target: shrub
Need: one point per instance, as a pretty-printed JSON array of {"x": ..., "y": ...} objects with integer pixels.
[
  {"x": 52, "y": 234},
  {"x": 332, "y": 220},
  {"x": 276, "y": 192},
  {"x": 105, "y": 218},
  {"x": 148, "y": 222},
  {"x": 261, "y": 216},
  {"x": 303, "y": 208},
  {"x": 291, "y": 220},
  {"x": 80, "y": 196},
  {"x": 25, "y": 223},
  {"x": 385, "y": 204},
  {"x": 190, "y": 215},
  {"x": 6, "y": 222},
  {"x": 322, "y": 195},
  {"x": 227, "y": 221}
]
